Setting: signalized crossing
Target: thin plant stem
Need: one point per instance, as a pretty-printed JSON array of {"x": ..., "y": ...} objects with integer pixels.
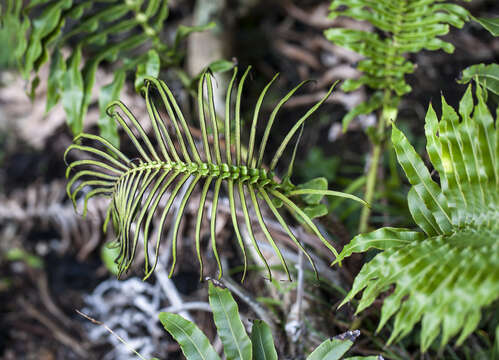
[{"x": 388, "y": 114}]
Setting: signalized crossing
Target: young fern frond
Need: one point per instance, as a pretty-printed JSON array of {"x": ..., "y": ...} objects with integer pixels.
[
  {"x": 405, "y": 26},
  {"x": 156, "y": 174},
  {"x": 445, "y": 274}
]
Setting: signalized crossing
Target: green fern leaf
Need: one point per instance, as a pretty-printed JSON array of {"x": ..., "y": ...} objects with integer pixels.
[
  {"x": 486, "y": 75},
  {"x": 138, "y": 184},
  {"x": 124, "y": 33},
  {"x": 236, "y": 343},
  {"x": 12, "y": 30},
  {"x": 262, "y": 341},
  {"x": 445, "y": 274},
  {"x": 491, "y": 24},
  {"x": 404, "y": 26},
  {"x": 107, "y": 31},
  {"x": 410, "y": 26}
]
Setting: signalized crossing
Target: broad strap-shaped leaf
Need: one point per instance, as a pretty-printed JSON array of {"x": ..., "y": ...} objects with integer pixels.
[
  {"x": 194, "y": 344},
  {"x": 144, "y": 186},
  {"x": 108, "y": 93},
  {"x": 444, "y": 275},
  {"x": 331, "y": 350},
  {"x": 262, "y": 341},
  {"x": 73, "y": 92},
  {"x": 237, "y": 344},
  {"x": 12, "y": 32}
]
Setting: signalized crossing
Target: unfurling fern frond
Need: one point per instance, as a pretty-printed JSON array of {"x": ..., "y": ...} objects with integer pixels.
[
  {"x": 445, "y": 274},
  {"x": 126, "y": 33},
  {"x": 406, "y": 26},
  {"x": 138, "y": 184}
]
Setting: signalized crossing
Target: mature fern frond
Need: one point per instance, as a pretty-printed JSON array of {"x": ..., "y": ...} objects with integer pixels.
[
  {"x": 126, "y": 33},
  {"x": 444, "y": 275},
  {"x": 406, "y": 26},
  {"x": 137, "y": 185},
  {"x": 10, "y": 28}
]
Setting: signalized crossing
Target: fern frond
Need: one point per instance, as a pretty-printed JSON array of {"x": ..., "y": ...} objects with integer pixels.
[
  {"x": 445, "y": 274},
  {"x": 125, "y": 33},
  {"x": 404, "y": 26},
  {"x": 409, "y": 26},
  {"x": 11, "y": 26},
  {"x": 156, "y": 174}
]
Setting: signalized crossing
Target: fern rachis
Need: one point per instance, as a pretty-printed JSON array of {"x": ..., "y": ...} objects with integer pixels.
[{"x": 137, "y": 185}]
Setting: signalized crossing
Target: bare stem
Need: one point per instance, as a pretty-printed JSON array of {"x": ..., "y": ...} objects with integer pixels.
[{"x": 388, "y": 114}]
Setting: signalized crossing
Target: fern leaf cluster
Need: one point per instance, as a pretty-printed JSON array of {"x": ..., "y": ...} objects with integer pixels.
[
  {"x": 444, "y": 274},
  {"x": 403, "y": 27},
  {"x": 125, "y": 33},
  {"x": 137, "y": 185}
]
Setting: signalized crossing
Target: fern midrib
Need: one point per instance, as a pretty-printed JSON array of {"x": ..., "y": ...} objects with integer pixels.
[
  {"x": 394, "y": 46},
  {"x": 240, "y": 173}
]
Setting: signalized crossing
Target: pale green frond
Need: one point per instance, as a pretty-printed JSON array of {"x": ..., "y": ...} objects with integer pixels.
[
  {"x": 168, "y": 167},
  {"x": 401, "y": 27},
  {"x": 446, "y": 274}
]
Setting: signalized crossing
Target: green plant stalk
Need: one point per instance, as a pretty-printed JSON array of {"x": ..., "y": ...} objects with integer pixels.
[{"x": 388, "y": 114}]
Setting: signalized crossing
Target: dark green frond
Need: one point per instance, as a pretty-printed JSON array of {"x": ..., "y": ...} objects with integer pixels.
[
  {"x": 125, "y": 33},
  {"x": 446, "y": 273},
  {"x": 168, "y": 167}
]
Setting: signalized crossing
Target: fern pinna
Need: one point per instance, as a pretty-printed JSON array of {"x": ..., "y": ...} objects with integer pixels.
[
  {"x": 445, "y": 274},
  {"x": 137, "y": 184}
]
